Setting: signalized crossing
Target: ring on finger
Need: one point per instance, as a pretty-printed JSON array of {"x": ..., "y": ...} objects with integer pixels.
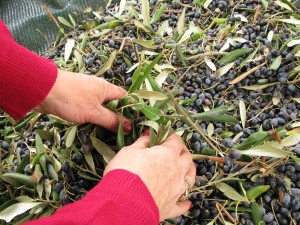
[{"x": 186, "y": 194}]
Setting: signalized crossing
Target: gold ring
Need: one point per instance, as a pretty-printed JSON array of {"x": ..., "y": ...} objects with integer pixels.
[{"x": 185, "y": 196}]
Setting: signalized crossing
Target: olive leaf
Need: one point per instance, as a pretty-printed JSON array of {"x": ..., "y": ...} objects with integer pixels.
[
  {"x": 230, "y": 192},
  {"x": 223, "y": 70},
  {"x": 257, "y": 214},
  {"x": 266, "y": 150},
  {"x": 71, "y": 136},
  {"x": 276, "y": 63},
  {"x": 69, "y": 48},
  {"x": 103, "y": 149},
  {"x": 64, "y": 21},
  {"x": 230, "y": 57},
  {"x": 243, "y": 112},
  {"x": 108, "y": 64},
  {"x": 256, "y": 191},
  {"x": 146, "y": 12},
  {"x": 17, "y": 209}
]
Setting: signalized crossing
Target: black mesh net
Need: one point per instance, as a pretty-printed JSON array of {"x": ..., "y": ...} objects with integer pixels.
[{"x": 30, "y": 24}]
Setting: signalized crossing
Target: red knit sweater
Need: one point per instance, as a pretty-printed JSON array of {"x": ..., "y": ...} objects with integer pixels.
[{"x": 121, "y": 197}]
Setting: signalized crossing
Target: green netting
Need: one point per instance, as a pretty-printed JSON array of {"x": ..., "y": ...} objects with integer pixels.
[{"x": 31, "y": 26}]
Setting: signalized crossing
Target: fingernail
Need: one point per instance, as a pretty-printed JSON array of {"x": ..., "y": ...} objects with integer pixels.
[
  {"x": 146, "y": 132},
  {"x": 191, "y": 206},
  {"x": 127, "y": 127}
]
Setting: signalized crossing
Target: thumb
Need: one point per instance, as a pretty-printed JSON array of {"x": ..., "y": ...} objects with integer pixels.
[
  {"x": 179, "y": 209},
  {"x": 142, "y": 142}
]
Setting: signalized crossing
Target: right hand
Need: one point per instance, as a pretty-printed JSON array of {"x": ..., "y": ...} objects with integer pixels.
[{"x": 162, "y": 168}]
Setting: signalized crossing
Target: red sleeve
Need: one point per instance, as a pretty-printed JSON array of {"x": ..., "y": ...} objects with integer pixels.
[
  {"x": 25, "y": 77},
  {"x": 121, "y": 198}
]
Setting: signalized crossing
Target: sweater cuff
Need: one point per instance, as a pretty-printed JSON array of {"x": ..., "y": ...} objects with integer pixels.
[
  {"x": 129, "y": 192},
  {"x": 26, "y": 78}
]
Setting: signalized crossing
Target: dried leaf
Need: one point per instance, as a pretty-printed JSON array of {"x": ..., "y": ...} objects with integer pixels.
[
  {"x": 258, "y": 87},
  {"x": 283, "y": 5},
  {"x": 163, "y": 27},
  {"x": 146, "y": 12},
  {"x": 275, "y": 100},
  {"x": 210, "y": 64},
  {"x": 270, "y": 35},
  {"x": 17, "y": 209},
  {"x": 69, "y": 48},
  {"x": 242, "y": 17},
  {"x": 206, "y": 4},
  {"x": 181, "y": 22},
  {"x": 223, "y": 70},
  {"x": 121, "y": 7},
  {"x": 290, "y": 21},
  {"x": 293, "y": 42},
  {"x": 210, "y": 129},
  {"x": 150, "y": 94},
  {"x": 243, "y": 112}
]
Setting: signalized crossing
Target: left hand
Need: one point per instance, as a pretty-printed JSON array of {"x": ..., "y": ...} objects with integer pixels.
[{"x": 78, "y": 98}]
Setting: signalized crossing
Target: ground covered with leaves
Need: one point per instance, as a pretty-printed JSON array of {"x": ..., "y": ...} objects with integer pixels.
[{"x": 223, "y": 74}]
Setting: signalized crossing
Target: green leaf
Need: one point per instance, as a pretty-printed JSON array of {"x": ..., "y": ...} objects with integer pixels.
[
  {"x": 44, "y": 134},
  {"x": 276, "y": 63},
  {"x": 230, "y": 57},
  {"x": 72, "y": 20},
  {"x": 52, "y": 172},
  {"x": 151, "y": 124},
  {"x": 68, "y": 49},
  {"x": 64, "y": 21},
  {"x": 146, "y": 12},
  {"x": 256, "y": 214},
  {"x": 103, "y": 149},
  {"x": 87, "y": 176},
  {"x": 254, "y": 139},
  {"x": 108, "y": 64},
  {"x": 251, "y": 56},
  {"x": 212, "y": 114},
  {"x": 21, "y": 178},
  {"x": 220, "y": 20},
  {"x": 256, "y": 191},
  {"x": 39, "y": 146},
  {"x": 71, "y": 136},
  {"x": 180, "y": 55},
  {"x": 230, "y": 192},
  {"x": 296, "y": 159},
  {"x": 120, "y": 137},
  {"x": 266, "y": 150},
  {"x": 141, "y": 74},
  {"x": 158, "y": 13},
  {"x": 90, "y": 161},
  {"x": 163, "y": 27},
  {"x": 265, "y": 4},
  {"x": 24, "y": 162},
  {"x": 151, "y": 113},
  {"x": 79, "y": 59},
  {"x": 17, "y": 209}
]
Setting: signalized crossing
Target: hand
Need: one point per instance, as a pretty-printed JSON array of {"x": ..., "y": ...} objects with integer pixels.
[
  {"x": 162, "y": 168},
  {"x": 77, "y": 98}
]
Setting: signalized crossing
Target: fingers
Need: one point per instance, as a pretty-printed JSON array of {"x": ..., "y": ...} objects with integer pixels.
[
  {"x": 188, "y": 166},
  {"x": 111, "y": 91},
  {"x": 174, "y": 142},
  {"x": 109, "y": 120},
  {"x": 142, "y": 142},
  {"x": 179, "y": 209}
]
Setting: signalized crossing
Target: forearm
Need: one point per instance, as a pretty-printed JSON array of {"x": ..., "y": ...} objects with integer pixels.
[
  {"x": 120, "y": 198},
  {"x": 26, "y": 78}
]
